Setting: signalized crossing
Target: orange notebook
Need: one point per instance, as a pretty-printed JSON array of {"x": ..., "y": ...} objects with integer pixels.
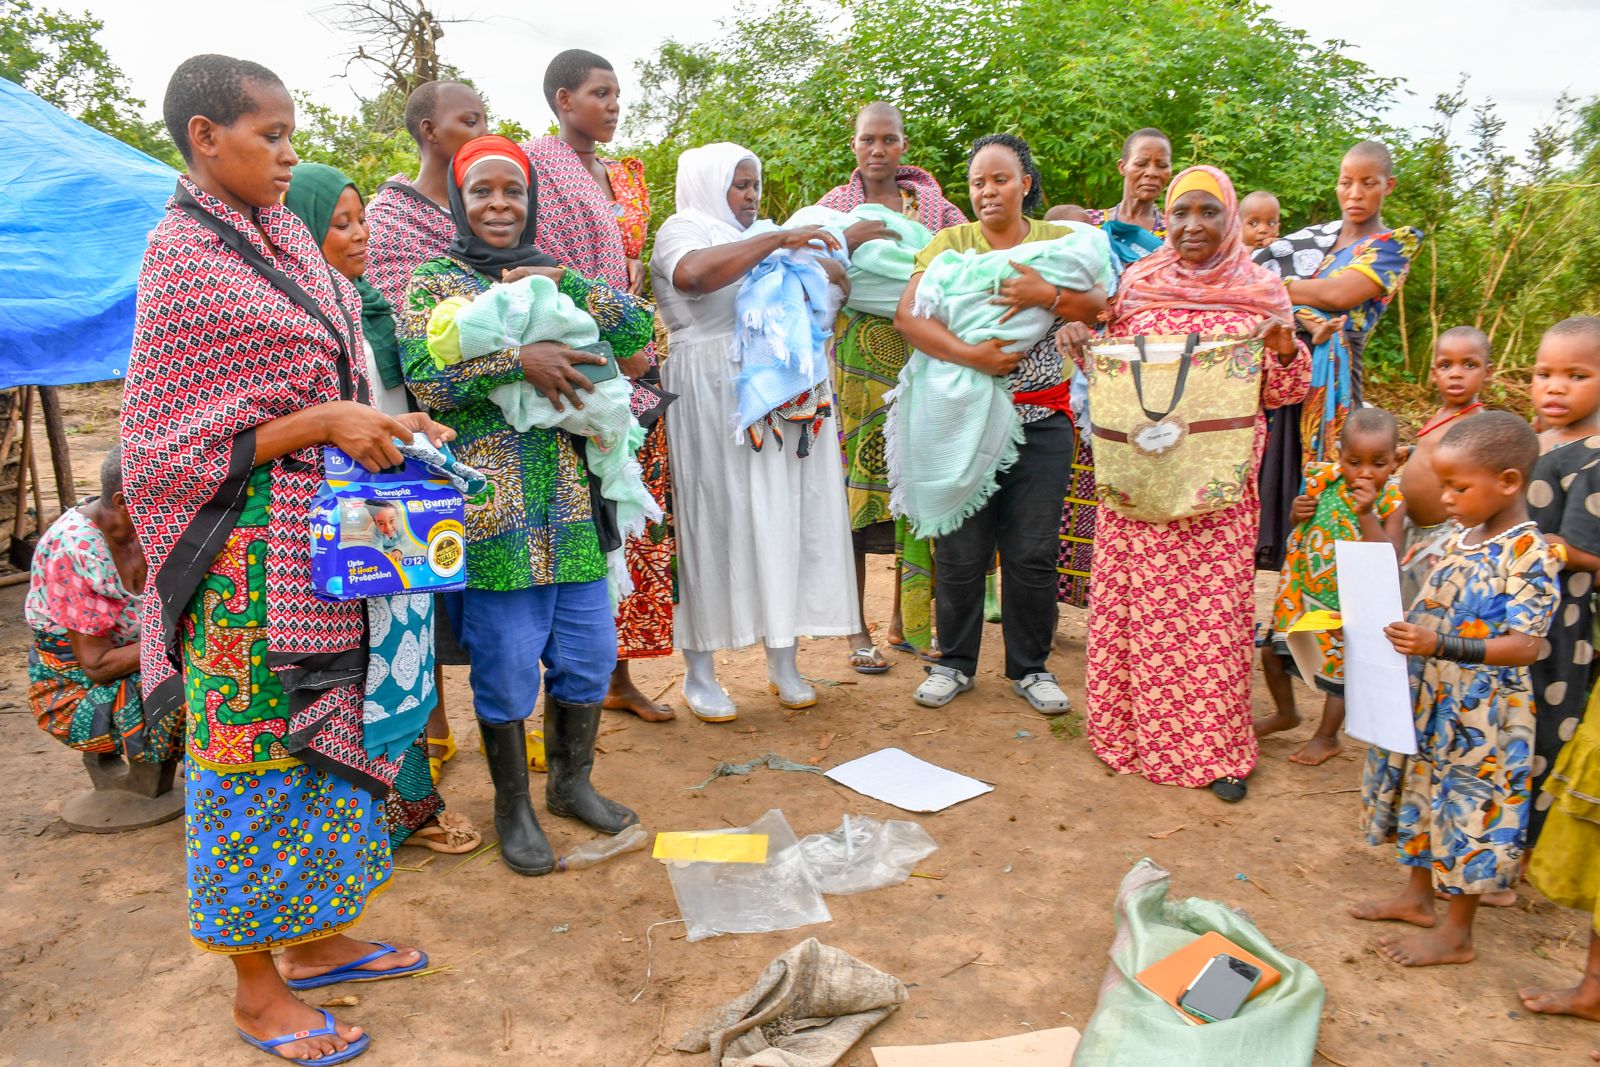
[{"x": 1169, "y": 977}]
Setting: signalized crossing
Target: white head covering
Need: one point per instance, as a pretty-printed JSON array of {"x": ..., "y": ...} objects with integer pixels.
[{"x": 704, "y": 176}]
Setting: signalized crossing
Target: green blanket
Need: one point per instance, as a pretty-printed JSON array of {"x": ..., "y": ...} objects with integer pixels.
[
  {"x": 952, "y": 429},
  {"x": 880, "y": 269},
  {"x": 531, "y": 309},
  {"x": 1132, "y": 1027}
]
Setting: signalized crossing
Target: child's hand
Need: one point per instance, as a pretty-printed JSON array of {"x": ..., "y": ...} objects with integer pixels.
[
  {"x": 1276, "y": 337},
  {"x": 1409, "y": 639},
  {"x": 1364, "y": 495},
  {"x": 1303, "y": 508}
]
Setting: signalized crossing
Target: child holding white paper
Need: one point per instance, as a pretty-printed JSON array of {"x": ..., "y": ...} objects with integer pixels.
[
  {"x": 1458, "y": 808},
  {"x": 1352, "y": 500}
]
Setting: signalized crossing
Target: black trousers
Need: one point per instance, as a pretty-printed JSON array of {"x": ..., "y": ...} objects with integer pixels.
[{"x": 1023, "y": 521}]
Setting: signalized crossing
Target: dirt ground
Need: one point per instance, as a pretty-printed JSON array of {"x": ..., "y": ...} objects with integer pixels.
[{"x": 1008, "y": 933}]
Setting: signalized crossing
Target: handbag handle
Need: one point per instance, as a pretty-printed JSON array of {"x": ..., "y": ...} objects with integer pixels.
[{"x": 1177, "y": 389}]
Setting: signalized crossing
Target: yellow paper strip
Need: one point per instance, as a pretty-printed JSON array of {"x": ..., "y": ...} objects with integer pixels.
[
  {"x": 698, "y": 846},
  {"x": 1316, "y": 622}
]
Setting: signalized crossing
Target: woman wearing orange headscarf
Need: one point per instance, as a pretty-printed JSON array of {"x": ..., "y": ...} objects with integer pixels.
[{"x": 1169, "y": 649}]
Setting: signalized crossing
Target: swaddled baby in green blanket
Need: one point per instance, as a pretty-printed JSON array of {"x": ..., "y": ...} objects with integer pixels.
[{"x": 528, "y": 310}]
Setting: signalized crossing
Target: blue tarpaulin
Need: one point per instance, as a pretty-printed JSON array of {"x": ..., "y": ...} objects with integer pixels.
[{"x": 76, "y": 207}]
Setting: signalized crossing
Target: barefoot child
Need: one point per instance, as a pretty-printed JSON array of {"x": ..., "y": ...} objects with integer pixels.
[
  {"x": 1562, "y": 500},
  {"x": 1460, "y": 367},
  {"x": 1566, "y": 865},
  {"x": 1352, "y": 500},
  {"x": 1261, "y": 216},
  {"x": 1458, "y": 808}
]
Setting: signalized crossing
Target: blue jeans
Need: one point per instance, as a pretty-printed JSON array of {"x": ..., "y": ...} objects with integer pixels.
[{"x": 568, "y": 628}]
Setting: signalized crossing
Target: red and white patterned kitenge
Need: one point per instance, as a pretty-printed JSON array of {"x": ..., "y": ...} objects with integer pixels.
[
  {"x": 407, "y": 229},
  {"x": 218, "y": 351}
]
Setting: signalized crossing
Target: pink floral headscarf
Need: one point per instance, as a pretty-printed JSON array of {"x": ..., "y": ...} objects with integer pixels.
[{"x": 1229, "y": 280}]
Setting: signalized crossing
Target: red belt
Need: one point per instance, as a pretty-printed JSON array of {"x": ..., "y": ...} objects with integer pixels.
[{"x": 1056, "y": 398}]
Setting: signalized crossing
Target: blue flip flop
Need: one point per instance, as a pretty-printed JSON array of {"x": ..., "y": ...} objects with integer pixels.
[
  {"x": 351, "y": 1051},
  {"x": 352, "y": 972},
  {"x": 909, "y": 649}
]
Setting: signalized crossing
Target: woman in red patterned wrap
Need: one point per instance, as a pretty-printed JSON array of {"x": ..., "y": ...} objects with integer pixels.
[
  {"x": 246, "y": 360},
  {"x": 593, "y": 216}
]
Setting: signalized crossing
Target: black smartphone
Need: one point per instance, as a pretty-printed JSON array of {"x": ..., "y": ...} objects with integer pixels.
[
  {"x": 1220, "y": 989},
  {"x": 599, "y": 372}
]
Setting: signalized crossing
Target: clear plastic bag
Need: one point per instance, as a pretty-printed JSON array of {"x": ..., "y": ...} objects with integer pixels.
[
  {"x": 864, "y": 854},
  {"x": 750, "y": 898}
]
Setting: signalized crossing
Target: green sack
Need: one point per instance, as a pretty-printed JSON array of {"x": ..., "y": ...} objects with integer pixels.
[{"x": 1133, "y": 1027}]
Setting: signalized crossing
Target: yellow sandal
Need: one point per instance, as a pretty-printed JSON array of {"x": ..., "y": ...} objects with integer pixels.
[
  {"x": 436, "y": 763},
  {"x": 536, "y": 761}
]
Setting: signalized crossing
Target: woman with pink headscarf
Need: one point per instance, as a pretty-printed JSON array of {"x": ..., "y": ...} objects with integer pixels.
[{"x": 1182, "y": 592}]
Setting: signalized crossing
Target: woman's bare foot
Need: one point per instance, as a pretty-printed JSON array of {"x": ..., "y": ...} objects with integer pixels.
[
  {"x": 288, "y": 1015},
  {"x": 1276, "y": 723},
  {"x": 1317, "y": 751},
  {"x": 1582, "y": 1000},
  {"x": 314, "y": 958},
  {"x": 1447, "y": 944},
  {"x": 1405, "y": 908},
  {"x": 624, "y": 695}
]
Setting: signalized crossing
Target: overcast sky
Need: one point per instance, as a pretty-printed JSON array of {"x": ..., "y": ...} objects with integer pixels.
[{"x": 1521, "y": 53}]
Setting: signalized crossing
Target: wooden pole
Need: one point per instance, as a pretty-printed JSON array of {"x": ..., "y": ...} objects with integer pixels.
[
  {"x": 60, "y": 456},
  {"x": 38, "y": 498},
  {"x": 13, "y": 420},
  {"x": 24, "y": 453}
]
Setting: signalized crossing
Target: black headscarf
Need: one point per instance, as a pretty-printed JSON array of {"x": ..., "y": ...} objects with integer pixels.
[{"x": 468, "y": 247}]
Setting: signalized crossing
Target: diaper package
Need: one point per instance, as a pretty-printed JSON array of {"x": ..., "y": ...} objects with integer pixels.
[{"x": 397, "y": 531}]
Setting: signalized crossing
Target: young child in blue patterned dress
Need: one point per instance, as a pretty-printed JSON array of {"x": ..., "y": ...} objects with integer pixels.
[{"x": 1458, "y": 808}]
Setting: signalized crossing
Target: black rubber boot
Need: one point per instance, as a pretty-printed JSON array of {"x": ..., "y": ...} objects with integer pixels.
[
  {"x": 569, "y": 734},
  {"x": 522, "y": 844}
]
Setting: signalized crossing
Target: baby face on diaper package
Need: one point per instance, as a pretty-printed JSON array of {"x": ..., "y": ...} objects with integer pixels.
[{"x": 397, "y": 531}]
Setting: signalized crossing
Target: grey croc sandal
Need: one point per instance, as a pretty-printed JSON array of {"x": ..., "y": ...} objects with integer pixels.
[
  {"x": 1043, "y": 693},
  {"x": 943, "y": 685}
]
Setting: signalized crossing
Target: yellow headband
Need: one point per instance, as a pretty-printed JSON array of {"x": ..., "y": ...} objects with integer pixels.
[{"x": 1191, "y": 181}]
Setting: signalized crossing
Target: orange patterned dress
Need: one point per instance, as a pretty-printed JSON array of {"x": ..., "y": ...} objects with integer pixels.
[{"x": 644, "y": 620}]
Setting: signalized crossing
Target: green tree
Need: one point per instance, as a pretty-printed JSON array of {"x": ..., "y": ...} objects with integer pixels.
[
  {"x": 368, "y": 151},
  {"x": 365, "y": 143},
  {"x": 1503, "y": 249},
  {"x": 1229, "y": 84},
  {"x": 56, "y": 55}
]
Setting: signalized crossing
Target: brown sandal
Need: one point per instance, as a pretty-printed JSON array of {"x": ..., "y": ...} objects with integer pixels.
[{"x": 450, "y": 833}]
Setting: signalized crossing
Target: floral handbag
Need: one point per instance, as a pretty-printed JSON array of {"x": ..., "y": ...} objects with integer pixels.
[{"x": 1174, "y": 422}]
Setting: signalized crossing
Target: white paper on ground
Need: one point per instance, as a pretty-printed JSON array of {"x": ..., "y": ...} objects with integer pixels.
[
  {"x": 1377, "y": 688},
  {"x": 899, "y": 778},
  {"x": 1042, "y": 1048}
]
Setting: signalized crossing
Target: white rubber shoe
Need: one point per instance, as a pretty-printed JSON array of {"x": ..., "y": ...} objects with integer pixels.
[
  {"x": 1043, "y": 693},
  {"x": 943, "y": 685}
]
